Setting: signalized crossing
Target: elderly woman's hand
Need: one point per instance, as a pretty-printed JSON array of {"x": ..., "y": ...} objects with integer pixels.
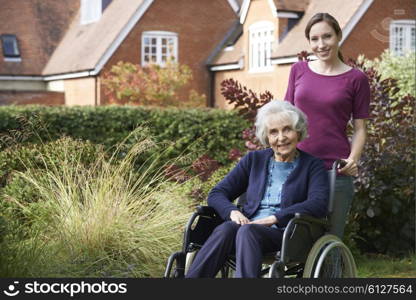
[
  {"x": 267, "y": 221},
  {"x": 237, "y": 217}
]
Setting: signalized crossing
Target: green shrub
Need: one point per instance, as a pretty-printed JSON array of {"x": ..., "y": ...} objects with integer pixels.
[
  {"x": 103, "y": 217},
  {"x": 202, "y": 131},
  {"x": 20, "y": 157},
  {"x": 197, "y": 190},
  {"x": 384, "y": 206},
  {"x": 57, "y": 172},
  {"x": 18, "y": 160},
  {"x": 401, "y": 68}
]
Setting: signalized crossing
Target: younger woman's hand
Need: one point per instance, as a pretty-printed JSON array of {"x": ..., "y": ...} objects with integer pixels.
[{"x": 350, "y": 169}]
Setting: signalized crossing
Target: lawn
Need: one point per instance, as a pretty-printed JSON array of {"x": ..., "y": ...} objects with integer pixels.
[{"x": 381, "y": 266}]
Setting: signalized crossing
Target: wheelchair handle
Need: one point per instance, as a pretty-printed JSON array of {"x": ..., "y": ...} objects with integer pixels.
[{"x": 339, "y": 163}]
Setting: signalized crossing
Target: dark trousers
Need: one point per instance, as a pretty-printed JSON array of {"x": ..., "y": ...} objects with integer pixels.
[{"x": 248, "y": 242}]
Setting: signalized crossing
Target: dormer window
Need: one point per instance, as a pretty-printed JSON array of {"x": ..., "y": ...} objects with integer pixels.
[
  {"x": 91, "y": 10},
  {"x": 10, "y": 47},
  {"x": 288, "y": 20},
  {"x": 104, "y": 4}
]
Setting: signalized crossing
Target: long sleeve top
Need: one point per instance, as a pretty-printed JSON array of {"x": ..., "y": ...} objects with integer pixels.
[{"x": 306, "y": 190}]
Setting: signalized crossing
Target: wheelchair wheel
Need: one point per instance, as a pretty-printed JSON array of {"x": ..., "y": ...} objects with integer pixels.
[
  {"x": 176, "y": 266},
  {"x": 226, "y": 272},
  {"x": 330, "y": 258},
  {"x": 189, "y": 259},
  {"x": 276, "y": 270}
]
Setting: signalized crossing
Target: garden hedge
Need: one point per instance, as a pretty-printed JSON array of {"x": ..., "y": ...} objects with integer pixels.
[{"x": 209, "y": 131}]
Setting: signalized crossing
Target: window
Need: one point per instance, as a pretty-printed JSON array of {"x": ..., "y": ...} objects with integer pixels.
[
  {"x": 402, "y": 36},
  {"x": 261, "y": 39},
  {"x": 91, "y": 11},
  {"x": 104, "y": 4},
  {"x": 158, "y": 47},
  {"x": 291, "y": 22},
  {"x": 10, "y": 46}
]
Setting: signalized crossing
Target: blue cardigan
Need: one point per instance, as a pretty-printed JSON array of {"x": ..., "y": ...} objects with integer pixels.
[{"x": 305, "y": 191}]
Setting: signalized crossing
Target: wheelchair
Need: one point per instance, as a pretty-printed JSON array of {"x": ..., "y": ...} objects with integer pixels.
[{"x": 310, "y": 248}]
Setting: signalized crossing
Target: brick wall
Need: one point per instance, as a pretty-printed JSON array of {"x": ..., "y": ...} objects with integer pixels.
[
  {"x": 24, "y": 98},
  {"x": 371, "y": 35},
  {"x": 39, "y": 25},
  {"x": 200, "y": 26}
]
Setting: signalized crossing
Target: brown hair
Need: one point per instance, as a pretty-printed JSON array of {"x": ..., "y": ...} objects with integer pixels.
[{"x": 330, "y": 20}]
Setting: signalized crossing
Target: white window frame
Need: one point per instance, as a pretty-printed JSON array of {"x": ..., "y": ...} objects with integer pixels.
[
  {"x": 402, "y": 36},
  {"x": 156, "y": 39},
  {"x": 91, "y": 11},
  {"x": 234, "y": 5},
  {"x": 261, "y": 40}
]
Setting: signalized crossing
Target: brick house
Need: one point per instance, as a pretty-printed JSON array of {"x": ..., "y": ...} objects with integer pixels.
[
  {"x": 55, "y": 51},
  {"x": 60, "y": 56},
  {"x": 262, "y": 49},
  {"x": 27, "y": 43}
]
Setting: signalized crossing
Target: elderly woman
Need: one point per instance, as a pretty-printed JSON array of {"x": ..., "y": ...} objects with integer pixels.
[{"x": 279, "y": 181}]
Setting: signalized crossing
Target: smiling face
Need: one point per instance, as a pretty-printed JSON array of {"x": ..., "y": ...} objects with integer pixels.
[
  {"x": 282, "y": 137},
  {"x": 324, "y": 41}
]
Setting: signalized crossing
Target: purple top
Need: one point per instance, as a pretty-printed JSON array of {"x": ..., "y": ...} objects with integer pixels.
[{"x": 329, "y": 102}]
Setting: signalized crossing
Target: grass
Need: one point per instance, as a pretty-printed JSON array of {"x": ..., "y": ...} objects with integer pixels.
[
  {"x": 108, "y": 219},
  {"x": 382, "y": 266}
]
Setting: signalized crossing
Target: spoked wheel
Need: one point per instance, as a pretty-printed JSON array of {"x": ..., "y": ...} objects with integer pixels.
[
  {"x": 175, "y": 267},
  {"x": 228, "y": 269},
  {"x": 330, "y": 258},
  {"x": 226, "y": 272},
  {"x": 276, "y": 270}
]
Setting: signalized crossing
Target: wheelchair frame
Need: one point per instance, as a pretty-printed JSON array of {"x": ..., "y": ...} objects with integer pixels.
[{"x": 313, "y": 234}]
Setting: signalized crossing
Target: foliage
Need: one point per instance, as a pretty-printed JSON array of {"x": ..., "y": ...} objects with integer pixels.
[
  {"x": 19, "y": 157},
  {"x": 102, "y": 217},
  {"x": 196, "y": 189},
  {"x": 150, "y": 85},
  {"x": 245, "y": 100},
  {"x": 303, "y": 56},
  {"x": 203, "y": 131},
  {"x": 247, "y": 103},
  {"x": 401, "y": 68},
  {"x": 17, "y": 160},
  {"x": 32, "y": 220},
  {"x": 384, "y": 206}
]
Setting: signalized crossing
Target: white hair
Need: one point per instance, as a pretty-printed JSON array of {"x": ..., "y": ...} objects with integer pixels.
[{"x": 274, "y": 107}]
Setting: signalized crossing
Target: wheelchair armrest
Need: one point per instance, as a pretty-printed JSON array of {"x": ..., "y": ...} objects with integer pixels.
[
  {"x": 293, "y": 245},
  {"x": 310, "y": 219},
  {"x": 205, "y": 211},
  {"x": 200, "y": 225}
]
